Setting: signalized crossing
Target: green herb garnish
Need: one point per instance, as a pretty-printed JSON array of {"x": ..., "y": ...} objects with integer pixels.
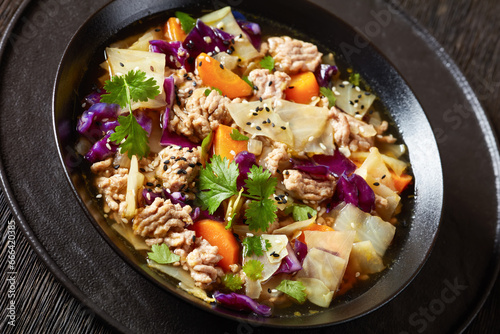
[
  {"x": 187, "y": 22},
  {"x": 267, "y": 62},
  {"x": 255, "y": 245},
  {"x": 329, "y": 95},
  {"x": 354, "y": 79},
  {"x": 247, "y": 80},
  {"x": 236, "y": 135},
  {"x": 161, "y": 254},
  {"x": 294, "y": 289},
  {"x": 253, "y": 269},
  {"x": 300, "y": 212},
  {"x": 232, "y": 282}
]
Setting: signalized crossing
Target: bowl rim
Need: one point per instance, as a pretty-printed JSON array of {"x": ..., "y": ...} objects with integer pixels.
[{"x": 221, "y": 311}]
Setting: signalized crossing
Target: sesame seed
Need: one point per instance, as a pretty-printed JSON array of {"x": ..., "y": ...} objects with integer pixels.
[
  {"x": 258, "y": 128},
  {"x": 98, "y": 196},
  {"x": 345, "y": 82},
  {"x": 158, "y": 185},
  {"x": 287, "y": 172},
  {"x": 199, "y": 64},
  {"x": 149, "y": 184},
  {"x": 249, "y": 123},
  {"x": 116, "y": 166},
  {"x": 383, "y": 177},
  {"x": 273, "y": 125},
  {"x": 367, "y": 93},
  {"x": 207, "y": 59},
  {"x": 157, "y": 29},
  {"x": 291, "y": 87},
  {"x": 268, "y": 121},
  {"x": 270, "y": 83},
  {"x": 267, "y": 109},
  {"x": 351, "y": 103},
  {"x": 322, "y": 146},
  {"x": 152, "y": 68},
  {"x": 362, "y": 106},
  {"x": 357, "y": 89},
  {"x": 283, "y": 127},
  {"x": 309, "y": 215},
  {"x": 122, "y": 65},
  {"x": 359, "y": 96},
  {"x": 191, "y": 165},
  {"x": 140, "y": 169},
  {"x": 260, "y": 99},
  {"x": 165, "y": 167},
  {"x": 221, "y": 66},
  {"x": 255, "y": 114},
  {"x": 342, "y": 86},
  {"x": 182, "y": 171},
  {"x": 376, "y": 184}
]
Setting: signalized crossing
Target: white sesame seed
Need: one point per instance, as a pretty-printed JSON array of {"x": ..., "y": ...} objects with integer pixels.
[
  {"x": 318, "y": 208},
  {"x": 334, "y": 88},
  {"x": 98, "y": 196},
  {"x": 336, "y": 93},
  {"x": 345, "y": 82},
  {"x": 125, "y": 220},
  {"x": 220, "y": 25},
  {"x": 207, "y": 59},
  {"x": 353, "y": 225},
  {"x": 172, "y": 58},
  {"x": 355, "y": 105},
  {"x": 357, "y": 88},
  {"x": 217, "y": 49},
  {"x": 313, "y": 98},
  {"x": 83, "y": 105},
  {"x": 210, "y": 53},
  {"x": 232, "y": 152},
  {"x": 105, "y": 215},
  {"x": 322, "y": 146},
  {"x": 357, "y": 274},
  {"x": 311, "y": 138},
  {"x": 207, "y": 39},
  {"x": 108, "y": 146}
]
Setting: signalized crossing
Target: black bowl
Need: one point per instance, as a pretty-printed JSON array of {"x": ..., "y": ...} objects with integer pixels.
[{"x": 421, "y": 216}]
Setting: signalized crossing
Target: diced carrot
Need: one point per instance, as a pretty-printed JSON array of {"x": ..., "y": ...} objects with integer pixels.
[
  {"x": 217, "y": 235},
  {"x": 213, "y": 74},
  {"x": 173, "y": 30},
  {"x": 401, "y": 182},
  {"x": 225, "y": 146},
  {"x": 302, "y": 88},
  {"x": 314, "y": 227}
]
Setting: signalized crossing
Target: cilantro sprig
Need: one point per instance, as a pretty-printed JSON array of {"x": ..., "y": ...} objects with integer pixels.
[
  {"x": 161, "y": 254},
  {"x": 354, "y": 79},
  {"x": 236, "y": 135},
  {"x": 217, "y": 182},
  {"x": 123, "y": 90},
  {"x": 267, "y": 62},
  {"x": 300, "y": 212},
  {"x": 255, "y": 245},
  {"x": 253, "y": 269},
  {"x": 294, "y": 289},
  {"x": 187, "y": 22},
  {"x": 232, "y": 282}
]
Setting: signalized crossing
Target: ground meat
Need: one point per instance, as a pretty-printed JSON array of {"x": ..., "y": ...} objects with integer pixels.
[
  {"x": 181, "y": 239},
  {"x": 201, "y": 262},
  {"x": 272, "y": 160},
  {"x": 347, "y": 131},
  {"x": 111, "y": 183},
  {"x": 269, "y": 84},
  {"x": 306, "y": 188},
  {"x": 185, "y": 84},
  {"x": 293, "y": 56},
  {"x": 177, "y": 167},
  {"x": 201, "y": 115},
  {"x": 155, "y": 220}
]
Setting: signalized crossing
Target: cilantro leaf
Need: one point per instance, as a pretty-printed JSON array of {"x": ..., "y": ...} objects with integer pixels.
[
  {"x": 236, "y": 135},
  {"x": 261, "y": 211},
  {"x": 232, "y": 282},
  {"x": 217, "y": 182},
  {"x": 300, "y": 212},
  {"x": 253, "y": 269},
  {"x": 208, "y": 90},
  {"x": 354, "y": 79},
  {"x": 245, "y": 78},
  {"x": 187, "y": 22},
  {"x": 260, "y": 183},
  {"x": 267, "y": 62},
  {"x": 205, "y": 146},
  {"x": 329, "y": 95},
  {"x": 255, "y": 245},
  {"x": 133, "y": 86},
  {"x": 136, "y": 138},
  {"x": 294, "y": 289},
  {"x": 161, "y": 254}
]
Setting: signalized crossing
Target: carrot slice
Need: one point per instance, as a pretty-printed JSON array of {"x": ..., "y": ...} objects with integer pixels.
[
  {"x": 173, "y": 30},
  {"x": 217, "y": 235},
  {"x": 225, "y": 146},
  {"x": 401, "y": 182},
  {"x": 314, "y": 227},
  {"x": 302, "y": 88},
  {"x": 213, "y": 74}
]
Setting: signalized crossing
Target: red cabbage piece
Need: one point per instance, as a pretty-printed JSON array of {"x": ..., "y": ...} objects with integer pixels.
[
  {"x": 239, "y": 302},
  {"x": 98, "y": 119},
  {"x": 238, "y": 16},
  {"x": 300, "y": 250},
  {"x": 150, "y": 196},
  {"x": 253, "y": 32},
  {"x": 290, "y": 263},
  {"x": 145, "y": 122},
  {"x": 203, "y": 38},
  {"x": 354, "y": 189},
  {"x": 324, "y": 74},
  {"x": 93, "y": 98},
  {"x": 169, "y": 88},
  {"x": 102, "y": 149},
  {"x": 336, "y": 163},
  {"x": 175, "y": 53},
  {"x": 308, "y": 166},
  {"x": 172, "y": 138},
  {"x": 245, "y": 161}
]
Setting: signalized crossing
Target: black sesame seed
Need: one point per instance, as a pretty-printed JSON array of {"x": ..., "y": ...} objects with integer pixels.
[
  {"x": 255, "y": 88},
  {"x": 283, "y": 127},
  {"x": 182, "y": 187},
  {"x": 291, "y": 87},
  {"x": 157, "y": 29},
  {"x": 287, "y": 173},
  {"x": 258, "y": 128},
  {"x": 180, "y": 148},
  {"x": 359, "y": 96},
  {"x": 195, "y": 84},
  {"x": 249, "y": 123},
  {"x": 278, "y": 171},
  {"x": 190, "y": 92},
  {"x": 221, "y": 66},
  {"x": 229, "y": 51},
  {"x": 122, "y": 65},
  {"x": 272, "y": 124},
  {"x": 172, "y": 157},
  {"x": 264, "y": 122},
  {"x": 367, "y": 93},
  {"x": 260, "y": 99},
  {"x": 376, "y": 184},
  {"x": 362, "y": 106},
  {"x": 269, "y": 290},
  {"x": 383, "y": 177},
  {"x": 185, "y": 75},
  {"x": 183, "y": 159},
  {"x": 267, "y": 109},
  {"x": 152, "y": 68},
  {"x": 199, "y": 164},
  {"x": 356, "y": 101},
  {"x": 192, "y": 165},
  {"x": 142, "y": 170},
  {"x": 189, "y": 78},
  {"x": 116, "y": 166},
  {"x": 351, "y": 103},
  {"x": 255, "y": 114},
  {"x": 149, "y": 184},
  {"x": 158, "y": 185},
  {"x": 165, "y": 167},
  {"x": 275, "y": 254},
  {"x": 284, "y": 201},
  {"x": 277, "y": 198},
  {"x": 189, "y": 151},
  {"x": 200, "y": 63},
  {"x": 268, "y": 121},
  {"x": 149, "y": 190},
  {"x": 342, "y": 86},
  {"x": 270, "y": 83},
  {"x": 181, "y": 171},
  {"x": 194, "y": 238},
  {"x": 309, "y": 215}
]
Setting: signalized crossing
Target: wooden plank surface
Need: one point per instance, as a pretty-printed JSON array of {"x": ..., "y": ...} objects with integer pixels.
[{"x": 468, "y": 31}]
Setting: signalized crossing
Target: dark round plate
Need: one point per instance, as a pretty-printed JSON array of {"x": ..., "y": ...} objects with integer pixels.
[{"x": 452, "y": 284}]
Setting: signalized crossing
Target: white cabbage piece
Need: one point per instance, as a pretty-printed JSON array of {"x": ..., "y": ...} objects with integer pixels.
[
  {"x": 317, "y": 292},
  {"x": 128, "y": 234},
  {"x": 351, "y": 99},
  {"x": 289, "y": 230},
  {"x": 323, "y": 266},
  {"x": 364, "y": 259},
  {"x": 186, "y": 282},
  {"x": 336, "y": 242},
  {"x": 398, "y": 166},
  {"x": 367, "y": 227},
  {"x": 224, "y": 19},
  {"x": 135, "y": 180},
  {"x": 250, "y": 120},
  {"x": 386, "y": 211},
  {"x": 153, "y": 64},
  {"x": 392, "y": 150},
  {"x": 142, "y": 44},
  {"x": 375, "y": 167},
  {"x": 253, "y": 288},
  {"x": 228, "y": 61},
  {"x": 278, "y": 246}
]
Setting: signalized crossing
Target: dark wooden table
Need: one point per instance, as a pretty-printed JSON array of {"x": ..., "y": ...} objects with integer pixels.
[{"x": 467, "y": 29}]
